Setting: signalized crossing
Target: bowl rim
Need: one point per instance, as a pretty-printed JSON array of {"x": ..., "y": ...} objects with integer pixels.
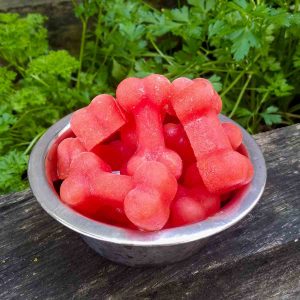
[{"x": 225, "y": 218}]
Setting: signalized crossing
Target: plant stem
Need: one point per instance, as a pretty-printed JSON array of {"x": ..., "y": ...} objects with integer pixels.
[
  {"x": 291, "y": 115},
  {"x": 22, "y": 117},
  {"x": 213, "y": 62},
  {"x": 226, "y": 79},
  {"x": 21, "y": 144},
  {"x": 82, "y": 45},
  {"x": 33, "y": 142},
  {"x": 160, "y": 52},
  {"x": 20, "y": 69},
  {"x": 111, "y": 47},
  {"x": 185, "y": 70},
  {"x": 147, "y": 55},
  {"x": 263, "y": 100},
  {"x": 37, "y": 78},
  {"x": 292, "y": 73},
  {"x": 234, "y": 82},
  {"x": 217, "y": 70},
  {"x": 150, "y": 6},
  {"x": 97, "y": 38},
  {"x": 237, "y": 103}
]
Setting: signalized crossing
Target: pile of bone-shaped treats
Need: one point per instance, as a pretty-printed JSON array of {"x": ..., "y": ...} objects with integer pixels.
[{"x": 177, "y": 161}]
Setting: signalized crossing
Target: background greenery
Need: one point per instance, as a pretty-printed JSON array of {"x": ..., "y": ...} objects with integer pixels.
[{"x": 248, "y": 49}]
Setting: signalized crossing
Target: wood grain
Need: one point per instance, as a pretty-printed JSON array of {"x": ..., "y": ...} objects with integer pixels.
[{"x": 256, "y": 259}]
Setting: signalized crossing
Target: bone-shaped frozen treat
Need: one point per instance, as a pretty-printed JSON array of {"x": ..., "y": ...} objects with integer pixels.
[
  {"x": 234, "y": 134},
  {"x": 67, "y": 150},
  {"x": 90, "y": 185},
  {"x": 144, "y": 99},
  {"x": 98, "y": 121},
  {"x": 148, "y": 204},
  {"x": 197, "y": 105}
]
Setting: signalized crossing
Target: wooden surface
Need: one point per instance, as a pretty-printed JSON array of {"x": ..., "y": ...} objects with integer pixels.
[{"x": 259, "y": 258}]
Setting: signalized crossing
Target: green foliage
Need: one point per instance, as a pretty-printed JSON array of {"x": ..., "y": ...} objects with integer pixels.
[
  {"x": 270, "y": 117},
  {"x": 35, "y": 91},
  {"x": 249, "y": 50},
  {"x": 13, "y": 166},
  {"x": 6, "y": 81},
  {"x": 54, "y": 66},
  {"x": 22, "y": 39}
]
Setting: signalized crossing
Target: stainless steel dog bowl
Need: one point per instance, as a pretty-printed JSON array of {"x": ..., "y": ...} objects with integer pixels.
[{"x": 128, "y": 246}]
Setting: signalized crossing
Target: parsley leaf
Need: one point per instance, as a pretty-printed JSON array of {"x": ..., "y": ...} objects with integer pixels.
[
  {"x": 270, "y": 116},
  {"x": 13, "y": 166}
]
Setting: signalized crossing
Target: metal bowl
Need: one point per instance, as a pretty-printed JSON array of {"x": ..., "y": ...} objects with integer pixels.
[{"x": 132, "y": 247}]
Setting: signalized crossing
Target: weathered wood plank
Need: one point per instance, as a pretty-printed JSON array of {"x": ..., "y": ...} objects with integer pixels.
[{"x": 259, "y": 258}]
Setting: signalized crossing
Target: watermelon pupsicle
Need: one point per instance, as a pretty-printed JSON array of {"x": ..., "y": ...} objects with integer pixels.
[
  {"x": 234, "y": 134},
  {"x": 169, "y": 110},
  {"x": 197, "y": 106},
  {"x": 193, "y": 182},
  {"x": 186, "y": 210},
  {"x": 211, "y": 203},
  {"x": 90, "y": 185},
  {"x": 115, "y": 154},
  {"x": 128, "y": 134},
  {"x": 192, "y": 205},
  {"x": 144, "y": 99},
  {"x": 176, "y": 139},
  {"x": 129, "y": 138},
  {"x": 191, "y": 176},
  {"x": 67, "y": 150},
  {"x": 114, "y": 216},
  {"x": 177, "y": 85},
  {"x": 96, "y": 122},
  {"x": 148, "y": 205}
]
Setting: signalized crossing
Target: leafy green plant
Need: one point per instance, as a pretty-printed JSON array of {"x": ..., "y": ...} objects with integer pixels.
[
  {"x": 249, "y": 50},
  {"x": 35, "y": 90}
]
